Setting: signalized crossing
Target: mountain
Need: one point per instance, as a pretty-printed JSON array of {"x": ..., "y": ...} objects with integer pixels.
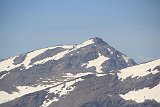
[{"x": 90, "y": 74}]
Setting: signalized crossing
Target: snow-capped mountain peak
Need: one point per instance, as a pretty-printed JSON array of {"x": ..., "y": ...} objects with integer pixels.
[
  {"x": 88, "y": 74},
  {"x": 89, "y": 45}
]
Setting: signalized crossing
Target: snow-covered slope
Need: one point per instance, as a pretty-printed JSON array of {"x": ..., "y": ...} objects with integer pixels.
[
  {"x": 56, "y": 87},
  {"x": 90, "y": 74},
  {"x": 96, "y": 63},
  {"x": 139, "y": 70},
  {"x": 9, "y": 64},
  {"x": 143, "y": 94}
]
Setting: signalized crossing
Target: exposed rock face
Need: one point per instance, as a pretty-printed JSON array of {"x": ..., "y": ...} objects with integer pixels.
[{"x": 90, "y": 74}]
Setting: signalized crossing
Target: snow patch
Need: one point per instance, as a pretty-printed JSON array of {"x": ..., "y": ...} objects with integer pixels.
[
  {"x": 84, "y": 64},
  {"x": 97, "y": 63},
  {"x": 64, "y": 88},
  {"x": 100, "y": 74},
  {"x": 110, "y": 50},
  {"x": 143, "y": 94},
  {"x": 47, "y": 102},
  {"x": 33, "y": 54},
  {"x": 7, "y": 65},
  {"x": 66, "y": 46},
  {"x": 83, "y": 74},
  {"x": 70, "y": 76},
  {"x": 55, "y": 57},
  {"x": 86, "y": 43},
  {"x": 139, "y": 70},
  {"x": 62, "y": 54},
  {"x": 126, "y": 59},
  {"x": 61, "y": 90},
  {"x": 23, "y": 90}
]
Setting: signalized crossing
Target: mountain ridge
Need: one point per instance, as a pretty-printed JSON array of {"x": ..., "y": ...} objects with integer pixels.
[
  {"x": 82, "y": 75},
  {"x": 90, "y": 41}
]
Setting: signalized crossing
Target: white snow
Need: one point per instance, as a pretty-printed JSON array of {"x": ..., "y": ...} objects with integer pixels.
[
  {"x": 55, "y": 57},
  {"x": 33, "y": 54},
  {"x": 125, "y": 58},
  {"x": 66, "y": 87},
  {"x": 56, "y": 89},
  {"x": 112, "y": 73},
  {"x": 62, "y": 54},
  {"x": 86, "y": 43},
  {"x": 109, "y": 95},
  {"x": 70, "y": 76},
  {"x": 4, "y": 75},
  {"x": 139, "y": 70},
  {"x": 45, "y": 81},
  {"x": 100, "y": 74},
  {"x": 23, "y": 90},
  {"x": 97, "y": 63},
  {"x": 110, "y": 50},
  {"x": 143, "y": 94},
  {"x": 84, "y": 64},
  {"x": 7, "y": 65},
  {"x": 62, "y": 89},
  {"x": 47, "y": 102},
  {"x": 66, "y": 46},
  {"x": 83, "y": 74}
]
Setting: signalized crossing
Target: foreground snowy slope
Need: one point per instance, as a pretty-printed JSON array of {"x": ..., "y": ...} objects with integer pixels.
[
  {"x": 140, "y": 70},
  {"x": 83, "y": 75},
  {"x": 9, "y": 63}
]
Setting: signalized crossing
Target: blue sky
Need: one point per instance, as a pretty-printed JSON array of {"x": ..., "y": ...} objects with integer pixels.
[{"x": 131, "y": 26}]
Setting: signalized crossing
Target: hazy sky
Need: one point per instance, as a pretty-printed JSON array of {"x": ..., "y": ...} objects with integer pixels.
[{"x": 131, "y": 26}]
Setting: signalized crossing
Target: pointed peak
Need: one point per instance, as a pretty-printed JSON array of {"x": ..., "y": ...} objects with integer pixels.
[{"x": 98, "y": 40}]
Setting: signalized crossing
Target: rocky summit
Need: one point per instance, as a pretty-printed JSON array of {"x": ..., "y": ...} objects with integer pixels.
[{"x": 90, "y": 74}]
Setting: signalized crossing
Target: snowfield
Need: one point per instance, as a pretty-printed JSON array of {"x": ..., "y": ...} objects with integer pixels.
[
  {"x": 70, "y": 72},
  {"x": 7, "y": 64},
  {"x": 96, "y": 63},
  {"x": 23, "y": 90},
  {"x": 143, "y": 94},
  {"x": 62, "y": 54},
  {"x": 56, "y": 87},
  {"x": 139, "y": 70}
]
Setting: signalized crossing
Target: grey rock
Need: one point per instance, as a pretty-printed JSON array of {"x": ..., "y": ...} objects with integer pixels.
[{"x": 93, "y": 91}]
